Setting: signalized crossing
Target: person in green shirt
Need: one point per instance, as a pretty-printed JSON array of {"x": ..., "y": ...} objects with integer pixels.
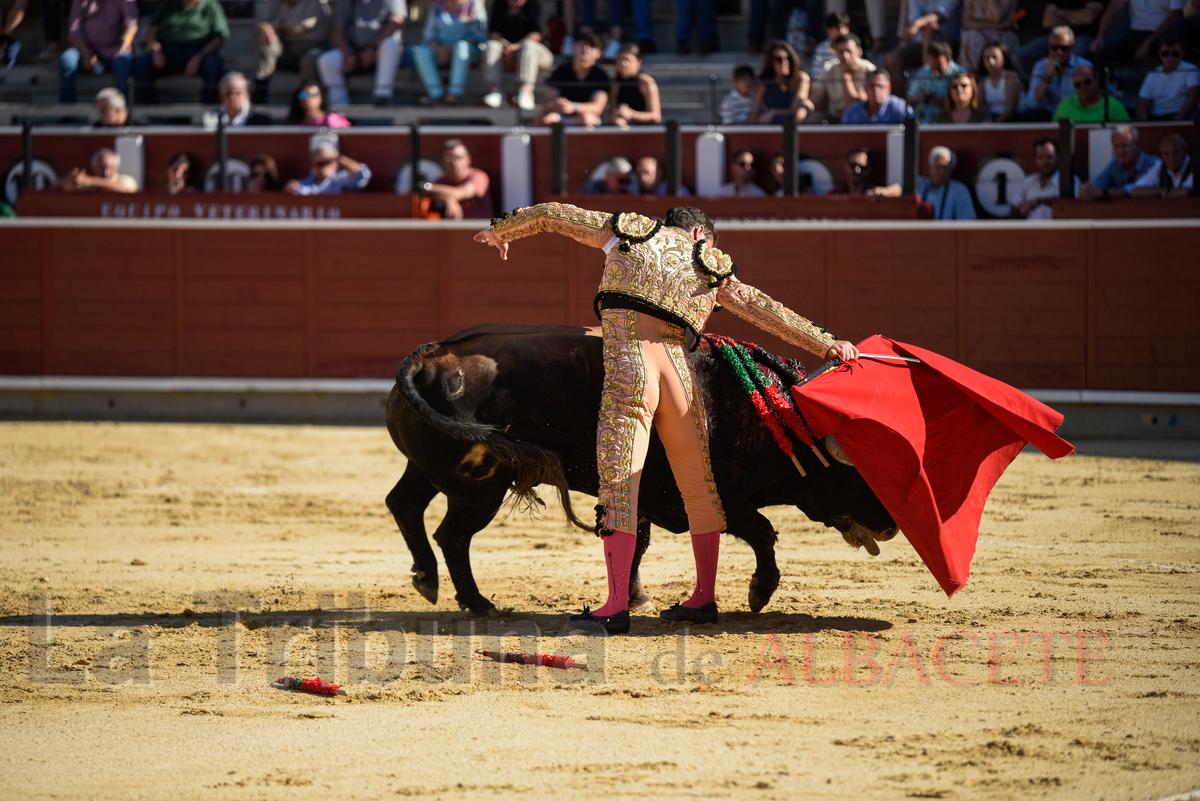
[
  {"x": 1087, "y": 104},
  {"x": 185, "y": 36}
]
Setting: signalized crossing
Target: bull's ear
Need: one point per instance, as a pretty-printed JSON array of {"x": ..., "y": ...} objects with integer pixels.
[{"x": 835, "y": 450}]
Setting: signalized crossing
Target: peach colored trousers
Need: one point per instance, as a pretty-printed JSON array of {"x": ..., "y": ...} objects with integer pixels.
[{"x": 650, "y": 381}]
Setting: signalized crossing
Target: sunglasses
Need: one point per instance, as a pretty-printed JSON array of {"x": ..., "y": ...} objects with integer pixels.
[
  {"x": 307, "y": 95},
  {"x": 1084, "y": 82},
  {"x": 749, "y": 165},
  {"x": 324, "y": 162},
  {"x": 1171, "y": 53},
  {"x": 1060, "y": 48}
]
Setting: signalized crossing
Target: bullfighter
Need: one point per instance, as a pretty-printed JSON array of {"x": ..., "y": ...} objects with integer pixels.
[{"x": 661, "y": 281}]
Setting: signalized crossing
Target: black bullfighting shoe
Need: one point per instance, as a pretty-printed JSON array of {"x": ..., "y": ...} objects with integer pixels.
[
  {"x": 690, "y": 614},
  {"x": 595, "y": 624}
]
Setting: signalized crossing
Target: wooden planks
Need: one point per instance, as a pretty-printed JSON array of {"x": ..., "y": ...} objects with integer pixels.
[{"x": 1047, "y": 307}]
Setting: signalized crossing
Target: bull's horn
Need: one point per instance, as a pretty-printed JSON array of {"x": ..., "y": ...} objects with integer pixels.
[{"x": 835, "y": 450}]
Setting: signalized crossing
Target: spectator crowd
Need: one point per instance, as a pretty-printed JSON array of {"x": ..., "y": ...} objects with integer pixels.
[
  {"x": 1023, "y": 58},
  {"x": 949, "y": 62}
]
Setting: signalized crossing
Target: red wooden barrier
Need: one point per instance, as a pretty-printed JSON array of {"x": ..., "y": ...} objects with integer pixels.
[
  {"x": 1107, "y": 306},
  {"x": 381, "y": 205},
  {"x": 1137, "y": 208}
]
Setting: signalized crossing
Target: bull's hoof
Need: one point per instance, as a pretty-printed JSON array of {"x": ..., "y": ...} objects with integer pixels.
[
  {"x": 757, "y": 602},
  {"x": 428, "y": 591},
  {"x": 761, "y": 592},
  {"x": 480, "y": 608},
  {"x": 642, "y": 603}
]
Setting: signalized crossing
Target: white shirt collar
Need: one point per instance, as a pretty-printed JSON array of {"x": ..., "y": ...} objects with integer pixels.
[
  {"x": 237, "y": 121},
  {"x": 1177, "y": 177}
]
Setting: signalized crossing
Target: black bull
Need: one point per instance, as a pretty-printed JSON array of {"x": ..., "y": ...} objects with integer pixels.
[{"x": 499, "y": 408}]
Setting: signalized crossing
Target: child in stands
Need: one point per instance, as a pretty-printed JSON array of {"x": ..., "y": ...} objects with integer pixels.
[{"x": 735, "y": 108}]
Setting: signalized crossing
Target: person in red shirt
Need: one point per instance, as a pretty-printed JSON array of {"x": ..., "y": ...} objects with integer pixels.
[{"x": 461, "y": 192}]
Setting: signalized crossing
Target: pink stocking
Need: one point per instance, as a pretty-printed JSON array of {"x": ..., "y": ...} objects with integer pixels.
[
  {"x": 618, "y": 556},
  {"x": 705, "y": 548}
]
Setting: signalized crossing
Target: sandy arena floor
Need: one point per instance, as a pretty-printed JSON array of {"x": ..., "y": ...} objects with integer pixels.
[{"x": 1068, "y": 667}]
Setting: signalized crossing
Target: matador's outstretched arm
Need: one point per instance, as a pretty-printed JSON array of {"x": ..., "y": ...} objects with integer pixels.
[
  {"x": 585, "y": 227},
  {"x": 759, "y": 308}
]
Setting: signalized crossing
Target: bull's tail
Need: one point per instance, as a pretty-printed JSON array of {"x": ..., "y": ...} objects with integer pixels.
[{"x": 532, "y": 464}]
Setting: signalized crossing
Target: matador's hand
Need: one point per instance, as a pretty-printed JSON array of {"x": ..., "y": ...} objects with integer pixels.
[
  {"x": 488, "y": 237},
  {"x": 843, "y": 350}
]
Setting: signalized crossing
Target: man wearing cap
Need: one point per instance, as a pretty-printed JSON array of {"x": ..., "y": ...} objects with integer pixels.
[{"x": 332, "y": 174}]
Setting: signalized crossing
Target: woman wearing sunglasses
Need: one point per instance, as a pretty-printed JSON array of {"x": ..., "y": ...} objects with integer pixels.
[
  {"x": 1170, "y": 91},
  {"x": 309, "y": 107},
  {"x": 783, "y": 90}
]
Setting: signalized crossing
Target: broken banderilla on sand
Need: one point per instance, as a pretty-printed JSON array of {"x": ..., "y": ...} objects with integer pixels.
[
  {"x": 314, "y": 686},
  {"x": 548, "y": 660}
]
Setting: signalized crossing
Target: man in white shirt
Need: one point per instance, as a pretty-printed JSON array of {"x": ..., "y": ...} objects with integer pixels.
[
  {"x": 741, "y": 173},
  {"x": 1170, "y": 91},
  {"x": 1171, "y": 177},
  {"x": 1042, "y": 184}
]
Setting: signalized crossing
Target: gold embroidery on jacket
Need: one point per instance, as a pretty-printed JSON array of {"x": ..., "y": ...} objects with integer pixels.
[
  {"x": 620, "y": 404},
  {"x": 631, "y": 226},
  {"x": 559, "y": 218},
  {"x": 773, "y": 317},
  {"x": 661, "y": 273}
]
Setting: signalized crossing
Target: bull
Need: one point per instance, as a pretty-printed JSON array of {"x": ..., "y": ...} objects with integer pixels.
[{"x": 495, "y": 409}]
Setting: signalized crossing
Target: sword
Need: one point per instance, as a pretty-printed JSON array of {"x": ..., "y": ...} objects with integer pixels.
[{"x": 888, "y": 356}]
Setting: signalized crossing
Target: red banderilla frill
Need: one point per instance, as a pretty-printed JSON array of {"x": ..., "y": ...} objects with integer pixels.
[
  {"x": 547, "y": 660},
  {"x": 313, "y": 686}
]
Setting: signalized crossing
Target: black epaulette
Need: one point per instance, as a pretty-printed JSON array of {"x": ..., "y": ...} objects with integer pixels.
[
  {"x": 716, "y": 278},
  {"x": 626, "y": 238}
]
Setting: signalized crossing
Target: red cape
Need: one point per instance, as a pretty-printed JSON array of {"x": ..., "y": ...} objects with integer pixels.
[{"x": 931, "y": 440}]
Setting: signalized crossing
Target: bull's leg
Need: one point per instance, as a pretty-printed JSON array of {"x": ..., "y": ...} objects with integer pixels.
[
  {"x": 466, "y": 515},
  {"x": 638, "y": 600},
  {"x": 757, "y": 531},
  {"x": 407, "y": 502}
]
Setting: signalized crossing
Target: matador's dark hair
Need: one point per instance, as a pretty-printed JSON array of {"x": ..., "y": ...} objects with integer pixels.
[{"x": 688, "y": 217}]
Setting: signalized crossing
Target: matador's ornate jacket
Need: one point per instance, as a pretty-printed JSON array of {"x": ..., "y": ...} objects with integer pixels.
[{"x": 661, "y": 271}]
